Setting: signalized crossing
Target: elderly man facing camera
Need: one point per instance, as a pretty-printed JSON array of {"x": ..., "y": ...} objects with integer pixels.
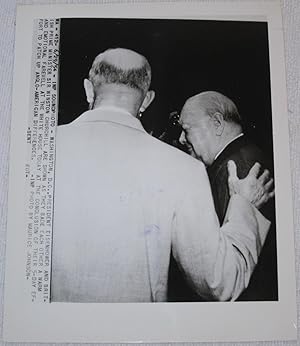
[
  {"x": 213, "y": 133},
  {"x": 124, "y": 199}
]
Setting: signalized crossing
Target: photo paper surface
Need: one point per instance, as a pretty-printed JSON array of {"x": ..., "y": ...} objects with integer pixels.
[{"x": 114, "y": 151}]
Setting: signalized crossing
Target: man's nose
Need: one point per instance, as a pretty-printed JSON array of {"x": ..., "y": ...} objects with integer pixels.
[{"x": 182, "y": 138}]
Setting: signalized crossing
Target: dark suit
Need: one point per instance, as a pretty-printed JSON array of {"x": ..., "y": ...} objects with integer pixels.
[{"x": 263, "y": 284}]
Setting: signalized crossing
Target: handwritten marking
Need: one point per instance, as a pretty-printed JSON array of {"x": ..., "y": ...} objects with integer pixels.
[{"x": 151, "y": 228}]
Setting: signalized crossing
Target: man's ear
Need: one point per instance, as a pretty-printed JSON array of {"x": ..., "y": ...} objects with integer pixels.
[
  {"x": 147, "y": 100},
  {"x": 89, "y": 91},
  {"x": 219, "y": 123}
]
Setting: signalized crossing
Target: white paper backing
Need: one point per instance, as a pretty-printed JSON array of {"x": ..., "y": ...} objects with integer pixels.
[{"x": 291, "y": 22}]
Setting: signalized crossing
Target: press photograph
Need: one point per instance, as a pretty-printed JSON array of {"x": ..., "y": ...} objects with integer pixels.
[
  {"x": 150, "y": 185},
  {"x": 164, "y": 177}
]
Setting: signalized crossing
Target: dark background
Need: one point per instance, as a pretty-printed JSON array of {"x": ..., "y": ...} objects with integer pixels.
[{"x": 186, "y": 56}]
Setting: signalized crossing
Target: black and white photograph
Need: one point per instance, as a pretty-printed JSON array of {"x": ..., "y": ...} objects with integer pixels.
[
  {"x": 149, "y": 190},
  {"x": 149, "y": 117}
]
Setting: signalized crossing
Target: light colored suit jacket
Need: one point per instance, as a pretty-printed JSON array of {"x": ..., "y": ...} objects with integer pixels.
[{"x": 123, "y": 199}]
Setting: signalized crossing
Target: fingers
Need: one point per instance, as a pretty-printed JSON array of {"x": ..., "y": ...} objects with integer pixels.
[
  {"x": 232, "y": 177},
  {"x": 272, "y": 194},
  {"x": 268, "y": 185},
  {"x": 269, "y": 195},
  {"x": 264, "y": 177},
  {"x": 232, "y": 170},
  {"x": 255, "y": 170},
  {"x": 266, "y": 196}
]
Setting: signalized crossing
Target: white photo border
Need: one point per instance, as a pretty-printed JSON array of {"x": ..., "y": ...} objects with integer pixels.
[{"x": 149, "y": 322}]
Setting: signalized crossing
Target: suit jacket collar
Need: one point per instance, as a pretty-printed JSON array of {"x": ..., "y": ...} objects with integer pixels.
[
  {"x": 110, "y": 114},
  {"x": 228, "y": 151},
  {"x": 232, "y": 140}
]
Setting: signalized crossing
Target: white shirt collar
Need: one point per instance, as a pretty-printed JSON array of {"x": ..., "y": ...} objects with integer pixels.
[{"x": 219, "y": 153}]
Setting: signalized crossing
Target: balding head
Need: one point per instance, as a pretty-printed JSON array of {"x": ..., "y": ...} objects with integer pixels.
[
  {"x": 121, "y": 78},
  {"x": 122, "y": 67},
  {"x": 210, "y": 121},
  {"x": 212, "y": 102}
]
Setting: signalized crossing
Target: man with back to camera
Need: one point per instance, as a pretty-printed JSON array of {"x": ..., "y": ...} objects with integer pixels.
[
  {"x": 212, "y": 132},
  {"x": 123, "y": 199}
]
